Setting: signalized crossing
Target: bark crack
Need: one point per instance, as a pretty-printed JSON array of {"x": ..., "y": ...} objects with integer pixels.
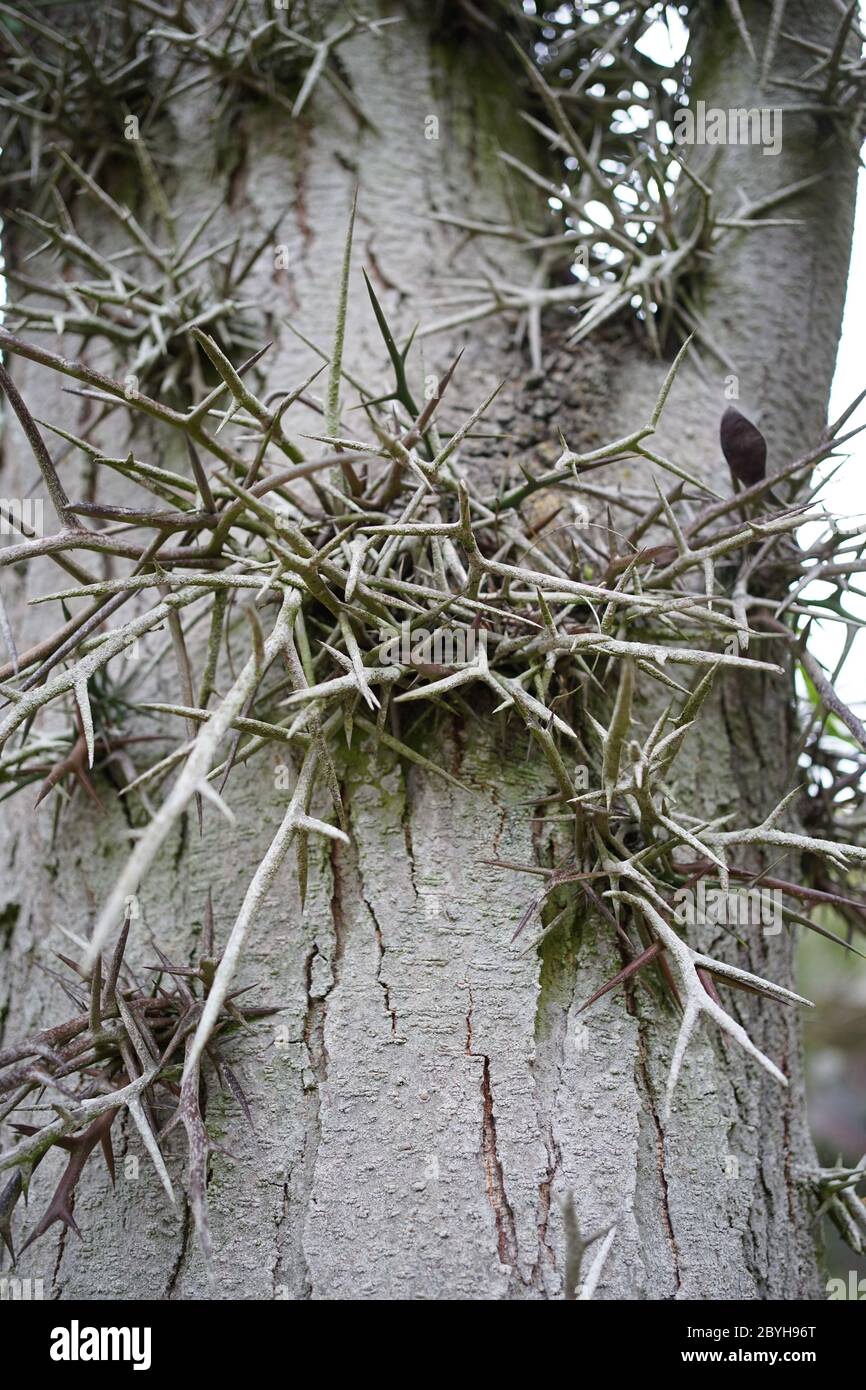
[
  {"x": 406, "y": 821},
  {"x": 383, "y": 984},
  {"x": 181, "y": 1254},
  {"x": 279, "y": 1222},
  {"x": 545, "y": 1188},
  {"x": 790, "y": 1182},
  {"x": 494, "y": 1177},
  {"x": 642, "y": 1072},
  {"x": 61, "y": 1246},
  {"x": 314, "y": 1036},
  {"x": 551, "y": 1023}
]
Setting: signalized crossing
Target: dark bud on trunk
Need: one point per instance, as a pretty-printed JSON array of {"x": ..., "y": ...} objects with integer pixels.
[{"x": 744, "y": 447}]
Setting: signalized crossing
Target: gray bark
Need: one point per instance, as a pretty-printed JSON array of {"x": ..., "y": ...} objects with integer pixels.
[{"x": 434, "y": 1097}]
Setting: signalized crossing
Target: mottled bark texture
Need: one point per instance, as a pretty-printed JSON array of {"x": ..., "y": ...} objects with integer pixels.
[{"x": 429, "y": 1097}]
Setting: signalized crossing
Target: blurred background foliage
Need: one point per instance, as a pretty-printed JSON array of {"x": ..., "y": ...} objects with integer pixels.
[{"x": 835, "y": 1061}]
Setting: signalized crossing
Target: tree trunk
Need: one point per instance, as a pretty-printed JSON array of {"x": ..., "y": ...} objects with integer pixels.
[{"x": 430, "y": 1099}]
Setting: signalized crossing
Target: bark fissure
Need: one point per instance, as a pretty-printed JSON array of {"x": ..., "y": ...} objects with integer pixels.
[
  {"x": 664, "y": 1192},
  {"x": 645, "y": 1086},
  {"x": 61, "y": 1247},
  {"x": 406, "y": 822},
  {"x": 180, "y": 1259},
  {"x": 316, "y": 1045},
  {"x": 280, "y": 1220},
  {"x": 494, "y": 1176},
  {"x": 550, "y": 1034},
  {"x": 383, "y": 984},
  {"x": 790, "y": 1180}
]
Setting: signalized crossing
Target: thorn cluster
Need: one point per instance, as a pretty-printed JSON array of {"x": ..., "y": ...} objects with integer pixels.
[
  {"x": 329, "y": 554},
  {"x": 120, "y": 1051}
]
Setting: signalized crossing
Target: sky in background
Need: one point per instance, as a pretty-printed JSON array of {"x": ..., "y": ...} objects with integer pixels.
[{"x": 845, "y": 494}]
